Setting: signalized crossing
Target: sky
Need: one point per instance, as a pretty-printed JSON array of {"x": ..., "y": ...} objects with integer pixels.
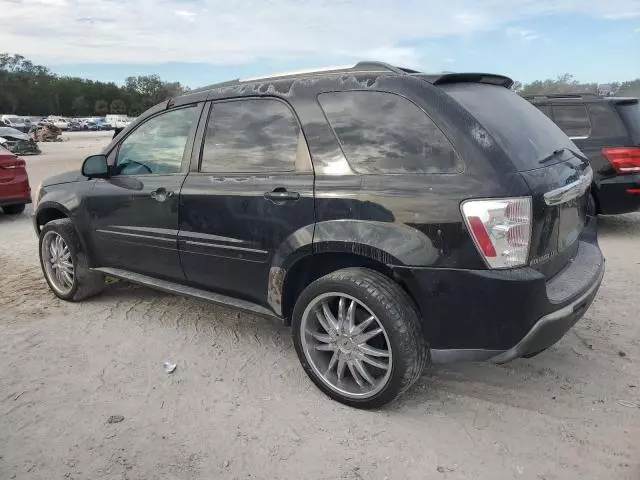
[{"x": 200, "y": 42}]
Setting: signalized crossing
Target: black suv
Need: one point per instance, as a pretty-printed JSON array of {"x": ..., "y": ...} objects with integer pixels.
[
  {"x": 607, "y": 130},
  {"x": 391, "y": 217}
]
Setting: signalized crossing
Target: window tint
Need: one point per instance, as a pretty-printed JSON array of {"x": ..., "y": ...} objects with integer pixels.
[
  {"x": 523, "y": 132},
  {"x": 385, "y": 133},
  {"x": 157, "y": 145},
  {"x": 572, "y": 119},
  {"x": 630, "y": 112},
  {"x": 254, "y": 135},
  {"x": 605, "y": 122}
]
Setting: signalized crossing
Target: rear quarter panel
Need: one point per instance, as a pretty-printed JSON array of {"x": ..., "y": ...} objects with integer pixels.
[{"x": 403, "y": 219}]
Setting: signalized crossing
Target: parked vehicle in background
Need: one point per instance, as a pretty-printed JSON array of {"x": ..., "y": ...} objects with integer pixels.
[
  {"x": 118, "y": 121},
  {"x": 60, "y": 122},
  {"x": 15, "y": 192},
  {"x": 17, "y": 142},
  {"x": 607, "y": 130},
  {"x": 101, "y": 123},
  {"x": 88, "y": 125},
  {"x": 391, "y": 217},
  {"x": 16, "y": 122}
]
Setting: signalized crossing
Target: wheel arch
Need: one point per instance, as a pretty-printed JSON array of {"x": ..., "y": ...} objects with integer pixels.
[
  {"x": 50, "y": 211},
  {"x": 310, "y": 267}
]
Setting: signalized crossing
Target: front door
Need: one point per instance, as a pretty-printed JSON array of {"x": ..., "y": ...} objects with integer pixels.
[
  {"x": 134, "y": 213},
  {"x": 252, "y": 191}
]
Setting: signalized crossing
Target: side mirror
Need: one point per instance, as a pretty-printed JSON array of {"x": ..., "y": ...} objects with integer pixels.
[{"x": 95, "y": 166}]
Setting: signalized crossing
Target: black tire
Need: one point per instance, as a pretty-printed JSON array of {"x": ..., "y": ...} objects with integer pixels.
[
  {"x": 395, "y": 311},
  {"x": 13, "y": 209},
  {"x": 86, "y": 282}
]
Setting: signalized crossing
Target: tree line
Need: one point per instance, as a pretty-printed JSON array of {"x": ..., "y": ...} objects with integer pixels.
[{"x": 30, "y": 89}]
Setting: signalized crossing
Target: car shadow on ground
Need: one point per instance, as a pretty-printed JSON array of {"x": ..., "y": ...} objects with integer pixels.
[{"x": 619, "y": 224}]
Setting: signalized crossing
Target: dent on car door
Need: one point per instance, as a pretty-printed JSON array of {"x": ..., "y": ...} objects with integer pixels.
[
  {"x": 253, "y": 190},
  {"x": 135, "y": 212}
]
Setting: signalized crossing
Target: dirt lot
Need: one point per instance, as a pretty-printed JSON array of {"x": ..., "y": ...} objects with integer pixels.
[{"x": 239, "y": 406}]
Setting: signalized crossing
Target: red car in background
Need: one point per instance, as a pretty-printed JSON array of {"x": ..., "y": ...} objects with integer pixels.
[{"x": 15, "y": 192}]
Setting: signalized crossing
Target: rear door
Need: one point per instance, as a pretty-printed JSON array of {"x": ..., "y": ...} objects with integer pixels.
[
  {"x": 559, "y": 181},
  {"x": 252, "y": 189}
]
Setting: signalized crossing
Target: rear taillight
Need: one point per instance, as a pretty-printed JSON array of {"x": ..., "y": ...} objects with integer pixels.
[
  {"x": 8, "y": 161},
  {"x": 501, "y": 229},
  {"x": 623, "y": 159}
]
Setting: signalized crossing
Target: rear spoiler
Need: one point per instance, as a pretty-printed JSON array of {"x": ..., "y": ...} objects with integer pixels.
[{"x": 448, "y": 78}]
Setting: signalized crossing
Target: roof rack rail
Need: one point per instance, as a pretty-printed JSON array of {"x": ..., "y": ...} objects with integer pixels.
[
  {"x": 368, "y": 65},
  {"x": 229, "y": 83},
  {"x": 360, "y": 66}
]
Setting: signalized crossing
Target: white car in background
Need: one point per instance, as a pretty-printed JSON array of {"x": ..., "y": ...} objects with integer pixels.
[
  {"x": 16, "y": 122},
  {"x": 60, "y": 122},
  {"x": 118, "y": 121}
]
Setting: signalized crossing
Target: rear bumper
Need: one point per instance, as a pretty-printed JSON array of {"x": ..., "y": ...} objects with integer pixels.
[
  {"x": 16, "y": 191},
  {"x": 613, "y": 195},
  {"x": 477, "y": 315},
  {"x": 552, "y": 327},
  {"x": 14, "y": 201}
]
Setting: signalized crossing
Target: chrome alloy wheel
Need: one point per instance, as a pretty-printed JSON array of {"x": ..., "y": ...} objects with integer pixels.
[
  {"x": 57, "y": 263},
  {"x": 346, "y": 345}
]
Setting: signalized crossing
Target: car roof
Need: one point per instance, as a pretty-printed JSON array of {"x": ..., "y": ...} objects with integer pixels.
[{"x": 363, "y": 67}]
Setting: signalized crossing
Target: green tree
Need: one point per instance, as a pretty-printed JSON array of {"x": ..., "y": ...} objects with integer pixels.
[
  {"x": 101, "y": 107},
  {"x": 563, "y": 84},
  {"x": 80, "y": 106},
  {"x": 118, "y": 106},
  {"x": 629, "y": 89}
]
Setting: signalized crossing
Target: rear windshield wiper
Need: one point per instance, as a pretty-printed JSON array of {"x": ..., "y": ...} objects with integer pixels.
[{"x": 559, "y": 151}]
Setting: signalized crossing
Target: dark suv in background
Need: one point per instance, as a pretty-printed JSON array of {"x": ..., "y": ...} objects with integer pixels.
[
  {"x": 607, "y": 130},
  {"x": 391, "y": 217}
]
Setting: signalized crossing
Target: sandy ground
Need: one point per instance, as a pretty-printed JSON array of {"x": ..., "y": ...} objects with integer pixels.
[{"x": 239, "y": 406}]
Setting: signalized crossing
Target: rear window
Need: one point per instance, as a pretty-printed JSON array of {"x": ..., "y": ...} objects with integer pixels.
[
  {"x": 630, "y": 113},
  {"x": 382, "y": 133},
  {"x": 523, "y": 131}
]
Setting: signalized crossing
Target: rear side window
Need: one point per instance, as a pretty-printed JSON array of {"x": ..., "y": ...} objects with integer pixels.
[
  {"x": 572, "y": 119},
  {"x": 630, "y": 113},
  {"x": 605, "y": 121},
  {"x": 546, "y": 109},
  {"x": 384, "y": 133},
  {"x": 253, "y": 135}
]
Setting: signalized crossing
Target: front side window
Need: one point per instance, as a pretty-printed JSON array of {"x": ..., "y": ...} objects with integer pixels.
[
  {"x": 252, "y": 135},
  {"x": 157, "y": 146},
  {"x": 386, "y": 133},
  {"x": 572, "y": 119}
]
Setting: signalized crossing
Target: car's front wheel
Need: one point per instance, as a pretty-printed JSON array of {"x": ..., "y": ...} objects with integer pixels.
[
  {"x": 64, "y": 264},
  {"x": 13, "y": 209},
  {"x": 359, "y": 337}
]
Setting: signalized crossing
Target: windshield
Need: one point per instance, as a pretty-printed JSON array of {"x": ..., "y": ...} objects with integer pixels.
[
  {"x": 630, "y": 113},
  {"x": 13, "y": 120},
  {"x": 526, "y": 134}
]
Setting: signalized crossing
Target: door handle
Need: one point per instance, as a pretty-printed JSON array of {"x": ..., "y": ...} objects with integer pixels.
[
  {"x": 161, "y": 194},
  {"x": 281, "y": 195}
]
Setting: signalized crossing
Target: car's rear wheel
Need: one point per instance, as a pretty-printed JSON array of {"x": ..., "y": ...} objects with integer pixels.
[
  {"x": 13, "y": 209},
  {"x": 359, "y": 337},
  {"x": 64, "y": 264}
]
